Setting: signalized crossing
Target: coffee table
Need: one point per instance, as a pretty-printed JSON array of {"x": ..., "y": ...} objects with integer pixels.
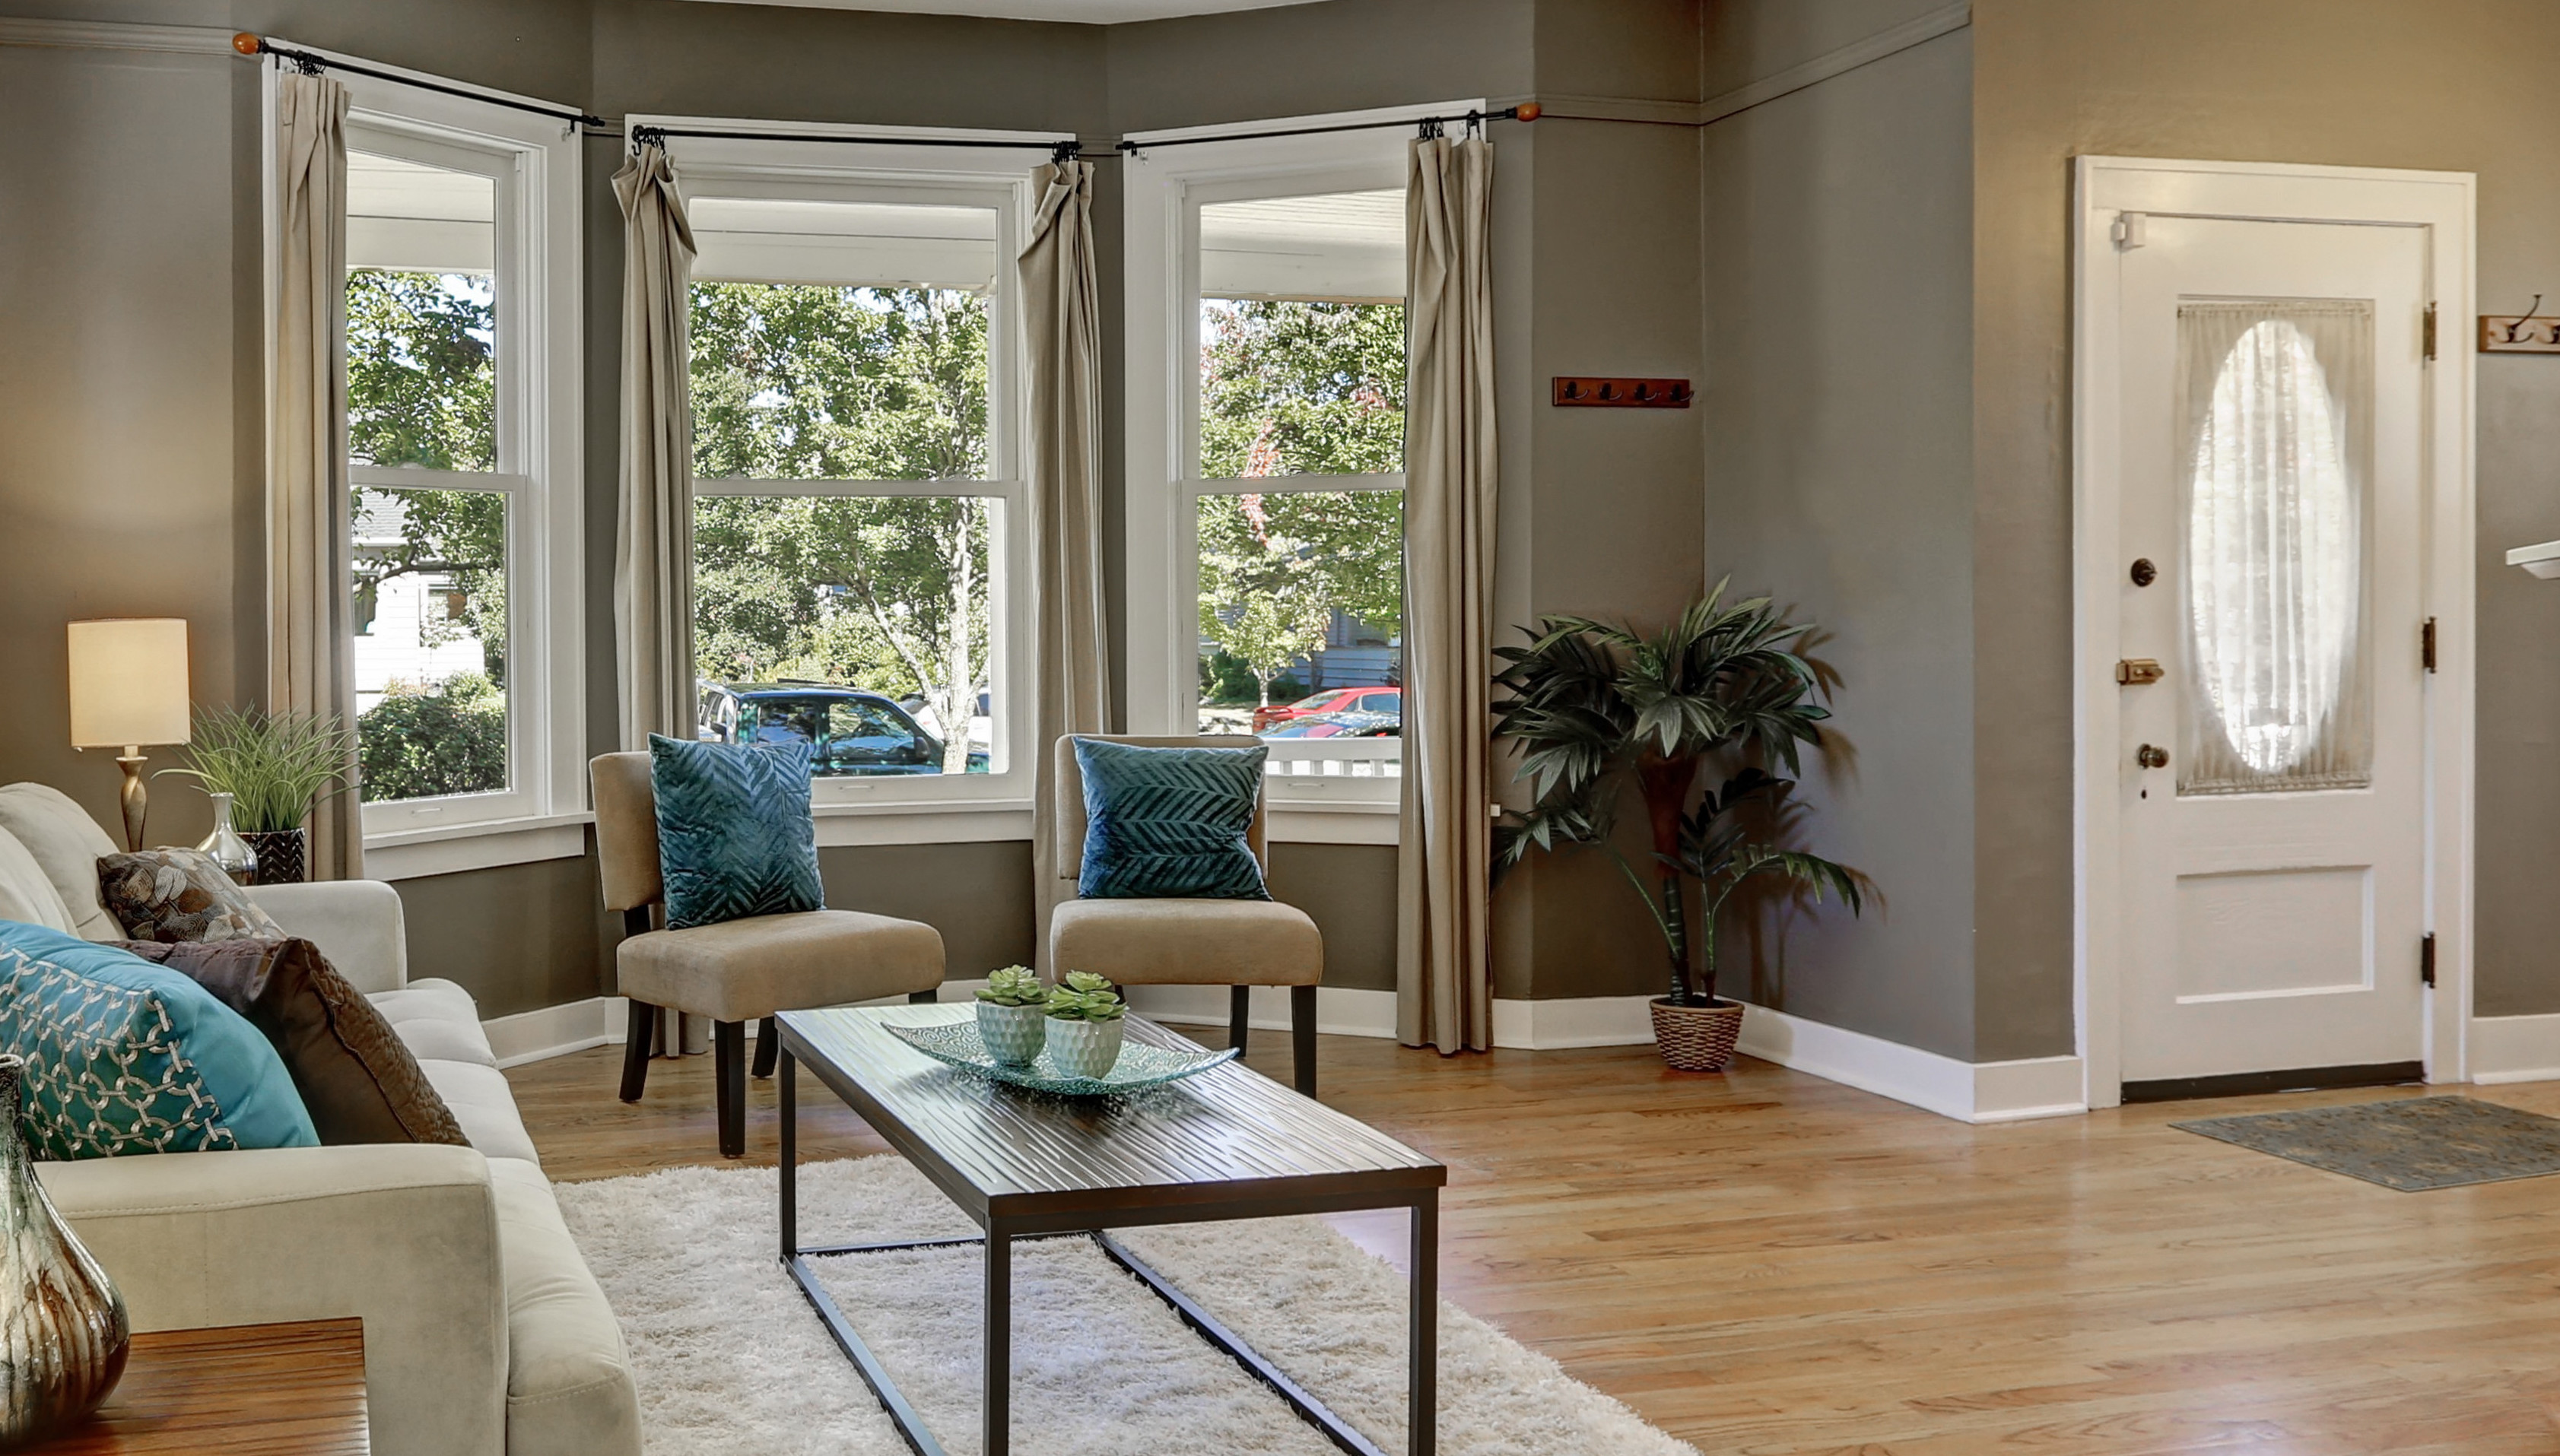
[{"x": 1225, "y": 1143}]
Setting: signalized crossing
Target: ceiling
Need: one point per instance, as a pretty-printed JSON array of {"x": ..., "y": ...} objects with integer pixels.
[{"x": 1087, "y": 11}]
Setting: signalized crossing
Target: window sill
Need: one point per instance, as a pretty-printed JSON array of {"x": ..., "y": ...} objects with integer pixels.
[
  {"x": 923, "y": 822},
  {"x": 412, "y": 854}
]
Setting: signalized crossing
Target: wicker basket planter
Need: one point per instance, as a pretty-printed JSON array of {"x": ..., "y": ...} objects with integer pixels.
[{"x": 1697, "y": 1038}]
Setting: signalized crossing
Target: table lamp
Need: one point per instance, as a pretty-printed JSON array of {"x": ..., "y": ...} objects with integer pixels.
[{"x": 130, "y": 688}]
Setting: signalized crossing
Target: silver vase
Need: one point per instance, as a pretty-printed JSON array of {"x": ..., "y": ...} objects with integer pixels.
[
  {"x": 231, "y": 853},
  {"x": 63, "y": 1327}
]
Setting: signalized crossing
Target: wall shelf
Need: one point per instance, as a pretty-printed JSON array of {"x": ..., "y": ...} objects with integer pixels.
[{"x": 2542, "y": 560}]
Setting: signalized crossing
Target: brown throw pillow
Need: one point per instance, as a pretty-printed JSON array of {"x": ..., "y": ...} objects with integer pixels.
[
  {"x": 356, "y": 1080},
  {"x": 173, "y": 895}
]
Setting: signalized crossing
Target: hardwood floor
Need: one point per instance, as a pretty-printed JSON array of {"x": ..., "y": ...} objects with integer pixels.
[{"x": 1768, "y": 1262}]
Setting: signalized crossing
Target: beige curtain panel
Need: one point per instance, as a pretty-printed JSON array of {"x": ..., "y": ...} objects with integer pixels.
[
  {"x": 1062, "y": 315},
  {"x": 1443, "y": 954},
  {"x": 310, "y": 610},
  {"x": 653, "y": 553}
]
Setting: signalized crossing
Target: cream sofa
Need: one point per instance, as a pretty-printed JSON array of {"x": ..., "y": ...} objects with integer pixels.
[{"x": 484, "y": 1331}]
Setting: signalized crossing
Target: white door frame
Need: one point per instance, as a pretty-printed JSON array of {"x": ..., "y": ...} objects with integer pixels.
[{"x": 2442, "y": 203}]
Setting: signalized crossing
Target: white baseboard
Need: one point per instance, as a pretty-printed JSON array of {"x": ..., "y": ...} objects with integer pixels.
[
  {"x": 1970, "y": 1091},
  {"x": 1988, "y": 1091},
  {"x": 2514, "y": 1048}
]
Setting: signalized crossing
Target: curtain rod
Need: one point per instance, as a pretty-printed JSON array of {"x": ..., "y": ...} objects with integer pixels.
[{"x": 249, "y": 43}]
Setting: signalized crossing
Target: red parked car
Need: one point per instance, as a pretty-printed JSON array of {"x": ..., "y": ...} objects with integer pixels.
[{"x": 1333, "y": 701}]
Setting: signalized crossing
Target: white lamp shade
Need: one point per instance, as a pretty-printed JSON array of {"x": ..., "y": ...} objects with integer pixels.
[{"x": 128, "y": 681}]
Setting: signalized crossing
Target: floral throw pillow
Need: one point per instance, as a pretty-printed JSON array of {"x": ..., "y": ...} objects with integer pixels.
[{"x": 177, "y": 894}]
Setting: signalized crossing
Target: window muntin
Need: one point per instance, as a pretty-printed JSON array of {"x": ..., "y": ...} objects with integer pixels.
[
  {"x": 855, "y": 492},
  {"x": 1298, "y": 453}
]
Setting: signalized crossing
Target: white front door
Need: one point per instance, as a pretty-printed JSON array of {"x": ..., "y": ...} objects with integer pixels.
[{"x": 2270, "y": 773}]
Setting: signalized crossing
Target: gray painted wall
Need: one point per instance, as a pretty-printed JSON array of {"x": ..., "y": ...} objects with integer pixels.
[
  {"x": 2366, "y": 82},
  {"x": 1837, "y": 407}
]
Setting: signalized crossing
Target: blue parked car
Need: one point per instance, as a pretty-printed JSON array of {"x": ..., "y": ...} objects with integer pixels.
[{"x": 850, "y": 730}]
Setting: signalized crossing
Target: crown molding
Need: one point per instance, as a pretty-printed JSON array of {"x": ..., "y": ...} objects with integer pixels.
[{"x": 93, "y": 35}]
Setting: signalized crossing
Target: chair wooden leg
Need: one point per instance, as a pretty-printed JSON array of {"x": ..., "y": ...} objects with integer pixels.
[
  {"x": 768, "y": 1045},
  {"x": 1239, "y": 1015},
  {"x": 635, "y": 1050},
  {"x": 728, "y": 1069},
  {"x": 1302, "y": 1036}
]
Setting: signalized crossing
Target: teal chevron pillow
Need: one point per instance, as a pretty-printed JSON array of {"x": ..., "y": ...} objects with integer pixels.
[
  {"x": 127, "y": 1056},
  {"x": 1168, "y": 823},
  {"x": 735, "y": 836}
]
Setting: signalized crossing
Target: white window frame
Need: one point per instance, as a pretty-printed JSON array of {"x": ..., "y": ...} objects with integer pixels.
[
  {"x": 923, "y": 808},
  {"x": 534, "y": 161},
  {"x": 1165, "y": 190}
]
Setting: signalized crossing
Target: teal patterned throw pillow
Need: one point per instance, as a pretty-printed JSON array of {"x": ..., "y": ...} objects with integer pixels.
[
  {"x": 127, "y": 1056},
  {"x": 1168, "y": 823},
  {"x": 735, "y": 836}
]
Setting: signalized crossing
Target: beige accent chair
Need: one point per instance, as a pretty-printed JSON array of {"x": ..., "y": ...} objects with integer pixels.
[
  {"x": 739, "y": 970},
  {"x": 1237, "y": 943}
]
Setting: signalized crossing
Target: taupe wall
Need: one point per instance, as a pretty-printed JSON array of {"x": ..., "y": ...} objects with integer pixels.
[
  {"x": 2367, "y": 83},
  {"x": 1838, "y": 406}
]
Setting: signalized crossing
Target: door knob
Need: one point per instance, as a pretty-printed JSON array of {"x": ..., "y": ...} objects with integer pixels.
[{"x": 2150, "y": 757}]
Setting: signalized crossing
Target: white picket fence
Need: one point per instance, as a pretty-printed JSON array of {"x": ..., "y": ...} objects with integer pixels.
[{"x": 1334, "y": 758}]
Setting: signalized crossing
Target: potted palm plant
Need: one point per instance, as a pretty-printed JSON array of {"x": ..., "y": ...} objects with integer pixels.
[
  {"x": 274, "y": 766},
  {"x": 1589, "y": 703}
]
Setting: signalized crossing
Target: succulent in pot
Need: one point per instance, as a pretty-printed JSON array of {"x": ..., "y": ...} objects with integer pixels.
[
  {"x": 1085, "y": 1031},
  {"x": 1013, "y": 1015}
]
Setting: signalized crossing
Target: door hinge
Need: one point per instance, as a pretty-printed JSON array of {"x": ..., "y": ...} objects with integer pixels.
[
  {"x": 2427, "y": 958},
  {"x": 2427, "y": 335},
  {"x": 2427, "y": 645},
  {"x": 2130, "y": 231}
]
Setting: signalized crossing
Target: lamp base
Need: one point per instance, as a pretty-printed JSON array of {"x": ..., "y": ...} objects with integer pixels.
[{"x": 136, "y": 797}]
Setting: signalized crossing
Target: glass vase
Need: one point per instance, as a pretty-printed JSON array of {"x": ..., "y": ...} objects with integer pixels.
[
  {"x": 229, "y": 852},
  {"x": 63, "y": 1327}
]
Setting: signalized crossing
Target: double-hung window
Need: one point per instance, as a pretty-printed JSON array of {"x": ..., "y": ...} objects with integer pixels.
[
  {"x": 461, "y": 358},
  {"x": 859, "y": 527},
  {"x": 1266, "y": 345}
]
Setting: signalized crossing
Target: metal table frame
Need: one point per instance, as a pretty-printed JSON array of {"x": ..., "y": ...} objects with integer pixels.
[{"x": 1001, "y": 1233}]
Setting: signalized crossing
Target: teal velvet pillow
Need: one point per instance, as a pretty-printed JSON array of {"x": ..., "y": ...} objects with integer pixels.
[
  {"x": 1168, "y": 823},
  {"x": 127, "y": 1056},
  {"x": 734, "y": 836}
]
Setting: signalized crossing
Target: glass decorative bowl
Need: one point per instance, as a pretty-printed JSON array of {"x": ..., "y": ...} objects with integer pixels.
[{"x": 1139, "y": 1066}]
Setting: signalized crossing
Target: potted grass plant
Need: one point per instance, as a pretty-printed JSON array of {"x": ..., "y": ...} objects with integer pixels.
[
  {"x": 274, "y": 766},
  {"x": 1590, "y": 704},
  {"x": 1084, "y": 1025},
  {"x": 1013, "y": 1015}
]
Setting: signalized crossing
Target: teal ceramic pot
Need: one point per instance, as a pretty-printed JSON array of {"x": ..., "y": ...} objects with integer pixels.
[
  {"x": 1084, "y": 1047},
  {"x": 1013, "y": 1034}
]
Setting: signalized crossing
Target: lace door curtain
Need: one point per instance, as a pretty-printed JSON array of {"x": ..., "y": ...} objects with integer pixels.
[{"x": 2275, "y": 469}]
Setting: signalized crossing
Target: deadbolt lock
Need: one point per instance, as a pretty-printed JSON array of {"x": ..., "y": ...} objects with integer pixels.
[
  {"x": 2150, "y": 757},
  {"x": 2135, "y": 671}
]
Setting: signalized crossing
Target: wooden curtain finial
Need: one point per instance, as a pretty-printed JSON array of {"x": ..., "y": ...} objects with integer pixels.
[
  {"x": 248, "y": 43},
  {"x": 1528, "y": 111}
]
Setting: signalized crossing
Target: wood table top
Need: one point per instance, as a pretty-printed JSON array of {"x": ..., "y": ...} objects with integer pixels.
[
  {"x": 285, "y": 1389},
  {"x": 1226, "y": 1135}
]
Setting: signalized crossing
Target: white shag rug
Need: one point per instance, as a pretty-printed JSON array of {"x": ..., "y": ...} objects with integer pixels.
[{"x": 730, "y": 1358}]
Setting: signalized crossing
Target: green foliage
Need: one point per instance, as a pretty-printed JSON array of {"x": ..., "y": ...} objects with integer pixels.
[
  {"x": 1015, "y": 985},
  {"x": 1588, "y": 702},
  {"x": 430, "y": 743},
  {"x": 795, "y": 381},
  {"x": 1084, "y": 996},
  {"x": 1299, "y": 389},
  {"x": 272, "y": 765},
  {"x": 1226, "y": 682}
]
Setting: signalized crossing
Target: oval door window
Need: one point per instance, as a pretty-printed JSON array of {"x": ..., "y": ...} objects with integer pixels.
[{"x": 2275, "y": 565}]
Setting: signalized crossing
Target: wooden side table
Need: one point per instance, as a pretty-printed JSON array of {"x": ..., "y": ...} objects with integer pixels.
[{"x": 293, "y": 1390}]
